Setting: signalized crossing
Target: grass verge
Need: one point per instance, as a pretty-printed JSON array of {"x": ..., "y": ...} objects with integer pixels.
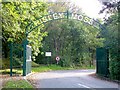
[
  {"x": 14, "y": 71},
  {"x": 45, "y": 68},
  {"x": 17, "y": 84}
]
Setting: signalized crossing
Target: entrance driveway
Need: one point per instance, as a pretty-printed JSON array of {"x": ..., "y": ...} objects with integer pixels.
[{"x": 69, "y": 79}]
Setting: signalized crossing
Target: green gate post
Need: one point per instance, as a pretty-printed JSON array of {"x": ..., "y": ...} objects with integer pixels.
[
  {"x": 24, "y": 57},
  {"x": 11, "y": 58},
  {"x": 67, "y": 14}
]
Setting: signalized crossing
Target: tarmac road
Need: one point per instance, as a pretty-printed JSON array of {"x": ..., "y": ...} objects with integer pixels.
[{"x": 71, "y": 79}]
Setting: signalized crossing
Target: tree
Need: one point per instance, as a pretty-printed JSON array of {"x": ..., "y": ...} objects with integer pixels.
[
  {"x": 112, "y": 38},
  {"x": 15, "y": 17},
  {"x": 112, "y": 43},
  {"x": 73, "y": 41}
]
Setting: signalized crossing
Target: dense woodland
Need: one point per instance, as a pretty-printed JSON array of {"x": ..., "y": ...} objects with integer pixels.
[{"x": 73, "y": 41}]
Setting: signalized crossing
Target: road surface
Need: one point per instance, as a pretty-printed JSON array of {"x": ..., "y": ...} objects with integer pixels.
[{"x": 71, "y": 79}]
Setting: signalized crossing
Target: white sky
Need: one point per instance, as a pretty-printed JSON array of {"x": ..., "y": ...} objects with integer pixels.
[{"x": 90, "y": 7}]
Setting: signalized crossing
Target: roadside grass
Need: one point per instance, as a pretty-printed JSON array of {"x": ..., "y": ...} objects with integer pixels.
[
  {"x": 14, "y": 71},
  {"x": 37, "y": 68},
  {"x": 17, "y": 84},
  {"x": 45, "y": 68}
]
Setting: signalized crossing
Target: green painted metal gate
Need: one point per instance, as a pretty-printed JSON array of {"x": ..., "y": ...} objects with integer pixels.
[
  {"x": 16, "y": 59},
  {"x": 20, "y": 59},
  {"x": 102, "y": 62}
]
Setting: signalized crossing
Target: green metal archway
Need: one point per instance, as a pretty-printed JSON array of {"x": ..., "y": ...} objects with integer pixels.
[
  {"x": 56, "y": 16},
  {"x": 63, "y": 15}
]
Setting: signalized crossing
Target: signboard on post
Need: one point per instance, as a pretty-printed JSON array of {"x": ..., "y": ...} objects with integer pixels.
[
  {"x": 57, "y": 59},
  {"x": 48, "y": 54}
]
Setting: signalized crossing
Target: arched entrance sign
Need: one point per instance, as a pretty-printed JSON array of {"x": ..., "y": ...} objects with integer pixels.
[
  {"x": 56, "y": 16},
  {"x": 63, "y": 15}
]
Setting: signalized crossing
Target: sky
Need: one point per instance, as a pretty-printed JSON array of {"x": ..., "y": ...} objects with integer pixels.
[{"x": 90, "y": 7}]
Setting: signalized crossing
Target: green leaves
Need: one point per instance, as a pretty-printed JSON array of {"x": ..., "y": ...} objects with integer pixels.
[
  {"x": 112, "y": 43},
  {"x": 73, "y": 41},
  {"x": 16, "y": 16}
]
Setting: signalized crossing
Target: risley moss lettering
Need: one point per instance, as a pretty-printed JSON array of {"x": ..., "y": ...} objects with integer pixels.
[{"x": 66, "y": 15}]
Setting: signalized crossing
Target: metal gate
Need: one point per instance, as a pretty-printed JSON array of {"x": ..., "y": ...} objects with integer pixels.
[
  {"x": 16, "y": 59},
  {"x": 20, "y": 59},
  {"x": 102, "y": 62}
]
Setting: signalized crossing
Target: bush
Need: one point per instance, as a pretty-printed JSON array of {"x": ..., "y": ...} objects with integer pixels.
[
  {"x": 5, "y": 63},
  {"x": 115, "y": 69},
  {"x": 35, "y": 64},
  {"x": 114, "y": 65}
]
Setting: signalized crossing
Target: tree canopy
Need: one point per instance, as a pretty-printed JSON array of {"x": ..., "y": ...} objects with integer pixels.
[
  {"x": 15, "y": 17},
  {"x": 112, "y": 37},
  {"x": 74, "y": 41}
]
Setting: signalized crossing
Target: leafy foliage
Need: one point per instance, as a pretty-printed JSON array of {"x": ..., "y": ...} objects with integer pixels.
[
  {"x": 15, "y": 17},
  {"x": 112, "y": 37},
  {"x": 73, "y": 41},
  {"x": 112, "y": 43}
]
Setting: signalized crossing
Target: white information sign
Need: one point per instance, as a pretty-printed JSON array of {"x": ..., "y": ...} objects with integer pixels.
[
  {"x": 28, "y": 53},
  {"x": 47, "y": 53}
]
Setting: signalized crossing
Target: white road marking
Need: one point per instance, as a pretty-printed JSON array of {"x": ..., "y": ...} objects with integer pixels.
[{"x": 83, "y": 85}]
